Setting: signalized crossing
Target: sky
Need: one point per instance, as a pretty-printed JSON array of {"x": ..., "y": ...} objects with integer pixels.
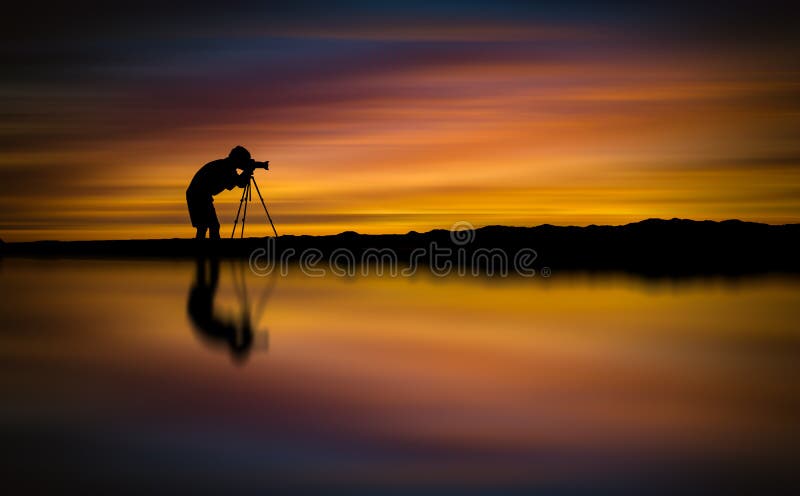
[{"x": 383, "y": 117}]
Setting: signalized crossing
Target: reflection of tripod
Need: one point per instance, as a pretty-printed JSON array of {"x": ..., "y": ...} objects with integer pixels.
[{"x": 246, "y": 197}]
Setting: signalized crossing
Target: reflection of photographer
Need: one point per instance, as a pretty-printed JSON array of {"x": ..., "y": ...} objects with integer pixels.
[
  {"x": 238, "y": 338},
  {"x": 210, "y": 180}
]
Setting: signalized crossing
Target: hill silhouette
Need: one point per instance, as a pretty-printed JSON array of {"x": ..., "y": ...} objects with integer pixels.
[{"x": 650, "y": 247}]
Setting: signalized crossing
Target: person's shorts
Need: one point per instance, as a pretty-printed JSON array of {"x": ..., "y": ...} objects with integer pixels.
[{"x": 201, "y": 210}]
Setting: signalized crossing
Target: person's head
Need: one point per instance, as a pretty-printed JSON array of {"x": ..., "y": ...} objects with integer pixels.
[{"x": 240, "y": 156}]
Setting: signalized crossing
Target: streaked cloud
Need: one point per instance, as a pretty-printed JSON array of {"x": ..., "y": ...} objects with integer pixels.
[{"x": 392, "y": 119}]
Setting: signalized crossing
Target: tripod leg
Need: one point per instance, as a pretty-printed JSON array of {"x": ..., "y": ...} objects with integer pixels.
[
  {"x": 265, "y": 207},
  {"x": 236, "y": 221},
  {"x": 247, "y": 201}
]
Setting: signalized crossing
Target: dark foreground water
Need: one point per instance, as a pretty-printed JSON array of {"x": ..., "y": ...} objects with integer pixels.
[{"x": 142, "y": 376}]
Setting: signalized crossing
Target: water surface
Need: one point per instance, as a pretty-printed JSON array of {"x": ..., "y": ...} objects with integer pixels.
[{"x": 122, "y": 374}]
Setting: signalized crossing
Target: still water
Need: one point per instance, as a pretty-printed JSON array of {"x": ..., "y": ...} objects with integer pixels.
[{"x": 142, "y": 375}]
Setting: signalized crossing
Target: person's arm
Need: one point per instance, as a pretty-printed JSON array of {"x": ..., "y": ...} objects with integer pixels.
[
  {"x": 239, "y": 179},
  {"x": 243, "y": 178}
]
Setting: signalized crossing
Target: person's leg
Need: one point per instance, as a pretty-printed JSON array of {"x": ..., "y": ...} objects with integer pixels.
[
  {"x": 213, "y": 225},
  {"x": 198, "y": 213}
]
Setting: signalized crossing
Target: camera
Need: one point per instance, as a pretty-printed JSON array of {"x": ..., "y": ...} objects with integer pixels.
[{"x": 253, "y": 165}]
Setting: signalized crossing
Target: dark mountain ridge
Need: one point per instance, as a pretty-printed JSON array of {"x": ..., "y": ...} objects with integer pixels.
[{"x": 652, "y": 246}]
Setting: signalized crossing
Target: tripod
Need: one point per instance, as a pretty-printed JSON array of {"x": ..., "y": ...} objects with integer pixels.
[{"x": 246, "y": 197}]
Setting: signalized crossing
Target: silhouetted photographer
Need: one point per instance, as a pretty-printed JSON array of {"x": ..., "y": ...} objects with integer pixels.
[{"x": 212, "y": 179}]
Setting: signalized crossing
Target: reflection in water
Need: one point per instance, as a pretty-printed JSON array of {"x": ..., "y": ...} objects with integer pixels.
[
  {"x": 236, "y": 335},
  {"x": 570, "y": 385}
]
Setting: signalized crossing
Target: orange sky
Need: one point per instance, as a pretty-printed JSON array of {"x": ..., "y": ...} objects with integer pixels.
[{"x": 390, "y": 127}]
